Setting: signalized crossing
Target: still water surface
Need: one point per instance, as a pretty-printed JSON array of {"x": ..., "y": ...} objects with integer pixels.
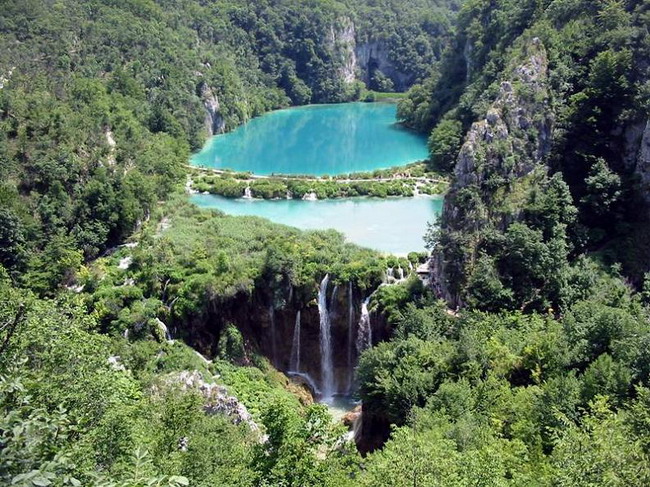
[
  {"x": 317, "y": 140},
  {"x": 391, "y": 225}
]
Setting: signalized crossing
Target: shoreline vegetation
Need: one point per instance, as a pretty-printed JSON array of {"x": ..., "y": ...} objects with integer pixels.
[{"x": 411, "y": 180}]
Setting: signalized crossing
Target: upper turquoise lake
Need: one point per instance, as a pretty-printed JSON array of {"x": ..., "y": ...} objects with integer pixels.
[{"x": 316, "y": 140}]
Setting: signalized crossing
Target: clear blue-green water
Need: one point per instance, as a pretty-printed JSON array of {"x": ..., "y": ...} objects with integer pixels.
[
  {"x": 317, "y": 140},
  {"x": 391, "y": 225}
]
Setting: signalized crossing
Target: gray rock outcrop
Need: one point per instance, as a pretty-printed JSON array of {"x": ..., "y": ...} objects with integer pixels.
[
  {"x": 214, "y": 121},
  {"x": 499, "y": 155}
]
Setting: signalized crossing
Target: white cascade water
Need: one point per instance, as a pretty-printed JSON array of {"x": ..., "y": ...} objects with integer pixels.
[
  {"x": 294, "y": 363},
  {"x": 401, "y": 273},
  {"x": 248, "y": 194},
  {"x": 332, "y": 305},
  {"x": 350, "y": 336},
  {"x": 274, "y": 350},
  {"x": 326, "y": 362},
  {"x": 364, "y": 335},
  {"x": 390, "y": 273}
]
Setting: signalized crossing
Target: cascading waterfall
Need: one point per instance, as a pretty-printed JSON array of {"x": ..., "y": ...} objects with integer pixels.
[
  {"x": 295, "y": 348},
  {"x": 274, "y": 349},
  {"x": 401, "y": 273},
  {"x": 332, "y": 302},
  {"x": 350, "y": 335},
  {"x": 327, "y": 368},
  {"x": 364, "y": 335},
  {"x": 248, "y": 193}
]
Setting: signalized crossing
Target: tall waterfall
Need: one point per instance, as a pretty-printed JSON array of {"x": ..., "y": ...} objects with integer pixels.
[
  {"x": 364, "y": 335},
  {"x": 327, "y": 368},
  {"x": 248, "y": 193},
  {"x": 294, "y": 364},
  {"x": 350, "y": 336},
  {"x": 274, "y": 347}
]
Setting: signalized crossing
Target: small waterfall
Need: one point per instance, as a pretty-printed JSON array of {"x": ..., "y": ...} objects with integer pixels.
[
  {"x": 332, "y": 303},
  {"x": 401, "y": 273},
  {"x": 274, "y": 350},
  {"x": 364, "y": 335},
  {"x": 248, "y": 194},
  {"x": 389, "y": 273},
  {"x": 350, "y": 336},
  {"x": 294, "y": 364},
  {"x": 327, "y": 368}
]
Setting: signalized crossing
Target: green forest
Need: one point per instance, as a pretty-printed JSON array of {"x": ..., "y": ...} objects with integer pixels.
[{"x": 137, "y": 331}]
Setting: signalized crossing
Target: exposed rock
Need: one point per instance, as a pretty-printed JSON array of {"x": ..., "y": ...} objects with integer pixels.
[
  {"x": 217, "y": 399},
  {"x": 116, "y": 363},
  {"x": 341, "y": 40},
  {"x": 351, "y": 417},
  {"x": 110, "y": 140},
  {"x": 4, "y": 79},
  {"x": 125, "y": 263},
  {"x": 374, "y": 56},
  {"x": 214, "y": 121},
  {"x": 163, "y": 330},
  {"x": 637, "y": 158},
  {"x": 499, "y": 151}
]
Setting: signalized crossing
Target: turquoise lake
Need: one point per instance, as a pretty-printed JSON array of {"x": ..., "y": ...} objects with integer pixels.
[
  {"x": 327, "y": 140},
  {"x": 317, "y": 140},
  {"x": 391, "y": 225}
]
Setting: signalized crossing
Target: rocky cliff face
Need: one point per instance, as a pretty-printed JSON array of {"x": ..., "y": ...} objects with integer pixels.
[
  {"x": 267, "y": 322},
  {"x": 341, "y": 40},
  {"x": 214, "y": 121},
  {"x": 360, "y": 60},
  {"x": 499, "y": 156},
  {"x": 374, "y": 56},
  {"x": 642, "y": 164}
]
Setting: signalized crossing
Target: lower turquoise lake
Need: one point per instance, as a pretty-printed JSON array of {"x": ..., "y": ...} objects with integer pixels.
[
  {"x": 391, "y": 225},
  {"x": 316, "y": 140}
]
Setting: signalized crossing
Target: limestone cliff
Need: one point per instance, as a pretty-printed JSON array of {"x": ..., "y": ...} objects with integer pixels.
[
  {"x": 214, "y": 121},
  {"x": 373, "y": 56},
  {"x": 500, "y": 156},
  {"x": 341, "y": 40}
]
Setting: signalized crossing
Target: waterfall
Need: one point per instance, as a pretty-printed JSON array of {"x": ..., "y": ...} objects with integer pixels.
[
  {"x": 332, "y": 305},
  {"x": 350, "y": 336},
  {"x": 274, "y": 350},
  {"x": 248, "y": 193},
  {"x": 327, "y": 368},
  {"x": 364, "y": 335},
  {"x": 389, "y": 272},
  {"x": 294, "y": 364},
  {"x": 401, "y": 273}
]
